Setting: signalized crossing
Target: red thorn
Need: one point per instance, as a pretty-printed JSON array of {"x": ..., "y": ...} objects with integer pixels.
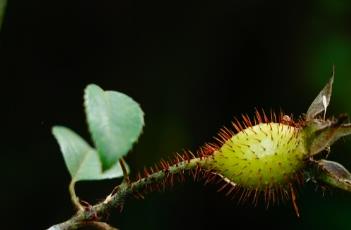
[
  {"x": 265, "y": 118},
  {"x": 230, "y": 190},
  {"x": 180, "y": 157},
  {"x": 163, "y": 165},
  {"x": 258, "y": 116},
  {"x": 157, "y": 168},
  {"x": 152, "y": 170},
  {"x": 241, "y": 196},
  {"x": 256, "y": 196},
  {"x": 293, "y": 199},
  {"x": 210, "y": 178},
  {"x": 192, "y": 154},
  {"x": 146, "y": 173},
  {"x": 223, "y": 187}
]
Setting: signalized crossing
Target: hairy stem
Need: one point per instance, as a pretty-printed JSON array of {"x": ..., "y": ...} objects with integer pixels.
[{"x": 99, "y": 211}]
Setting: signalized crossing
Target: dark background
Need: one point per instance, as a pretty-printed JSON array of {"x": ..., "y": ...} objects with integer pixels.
[{"x": 192, "y": 65}]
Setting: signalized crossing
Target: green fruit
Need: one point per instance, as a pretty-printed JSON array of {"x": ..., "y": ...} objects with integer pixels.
[{"x": 266, "y": 155}]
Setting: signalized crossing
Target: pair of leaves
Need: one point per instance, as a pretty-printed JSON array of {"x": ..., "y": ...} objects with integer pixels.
[{"x": 115, "y": 122}]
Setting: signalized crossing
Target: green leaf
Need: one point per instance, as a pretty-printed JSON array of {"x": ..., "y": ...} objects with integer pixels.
[
  {"x": 82, "y": 161},
  {"x": 321, "y": 102},
  {"x": 115, "y": 122},
  {"x": 334, "y": 174}
]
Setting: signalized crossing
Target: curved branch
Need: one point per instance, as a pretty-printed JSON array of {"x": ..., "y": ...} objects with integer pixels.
[{"x": 97, "y": 213}]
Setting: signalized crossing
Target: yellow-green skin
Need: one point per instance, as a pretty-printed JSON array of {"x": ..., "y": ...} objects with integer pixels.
[{"x": 261, "y": 156}]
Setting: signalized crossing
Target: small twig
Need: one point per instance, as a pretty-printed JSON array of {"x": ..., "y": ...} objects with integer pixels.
[
  {"x": 74, "y": 197},
  {"x": 125, "y": 171}
]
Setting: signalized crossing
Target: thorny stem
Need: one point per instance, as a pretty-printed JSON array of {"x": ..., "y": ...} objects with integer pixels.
[{"x": 99, "y": 211}]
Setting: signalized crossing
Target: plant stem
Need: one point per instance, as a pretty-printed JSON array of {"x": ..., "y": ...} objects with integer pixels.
[
  {"x": 99, "y": 211},
  {"x": 74, "y": 198}
]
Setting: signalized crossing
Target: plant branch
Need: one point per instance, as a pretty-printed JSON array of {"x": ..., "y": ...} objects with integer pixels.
[{"x": 99, "y": 211}]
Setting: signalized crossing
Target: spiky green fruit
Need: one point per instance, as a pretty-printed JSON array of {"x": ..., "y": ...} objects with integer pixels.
[{"x": 266, "y": 155}]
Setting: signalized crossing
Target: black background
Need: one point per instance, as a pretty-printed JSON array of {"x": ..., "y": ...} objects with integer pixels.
[{"x": 192, "y": 66}]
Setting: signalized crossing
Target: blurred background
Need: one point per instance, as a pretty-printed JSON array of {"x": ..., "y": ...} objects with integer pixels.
[{"x": 193, "y": 66}]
